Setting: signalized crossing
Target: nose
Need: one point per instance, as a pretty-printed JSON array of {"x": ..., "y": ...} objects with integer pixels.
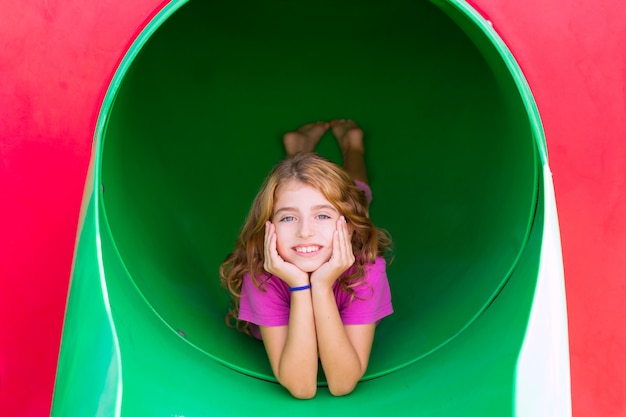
[{"x": 305, "y": 229}]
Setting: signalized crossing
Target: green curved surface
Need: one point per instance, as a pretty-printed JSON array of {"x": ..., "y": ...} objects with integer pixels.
[{"x": 190, "y": 126}]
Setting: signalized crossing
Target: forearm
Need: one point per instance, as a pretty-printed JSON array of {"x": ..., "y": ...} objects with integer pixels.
[
  {"x": 339, "y": 358},
  {"x": 297, "y": 369}
]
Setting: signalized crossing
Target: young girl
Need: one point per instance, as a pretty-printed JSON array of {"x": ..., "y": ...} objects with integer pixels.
[{"x": 307, "y": 275}]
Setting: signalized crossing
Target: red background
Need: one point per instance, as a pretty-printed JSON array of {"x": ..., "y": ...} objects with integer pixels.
[{"x": 57, "y": 57}]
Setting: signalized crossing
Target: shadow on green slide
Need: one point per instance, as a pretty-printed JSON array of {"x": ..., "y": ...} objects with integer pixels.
[{"x": 192, "y": 123}]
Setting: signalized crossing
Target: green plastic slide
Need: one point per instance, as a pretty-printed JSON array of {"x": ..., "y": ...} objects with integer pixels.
[{"x": 191, "y": 124}]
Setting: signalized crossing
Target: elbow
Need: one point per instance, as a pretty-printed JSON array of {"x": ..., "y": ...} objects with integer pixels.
[
  {"x": 303, "y": 392},
  {"x": 339, "y": 390},
  {"x": 299, "y": 386},
  {"x": 301, "y": 389},
  {"x": 343, "y": 383}
]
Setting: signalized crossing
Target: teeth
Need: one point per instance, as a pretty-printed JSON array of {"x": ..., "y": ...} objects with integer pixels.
[{"x": 307, "y": 249}]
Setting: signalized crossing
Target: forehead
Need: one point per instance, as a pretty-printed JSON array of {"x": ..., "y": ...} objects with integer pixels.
[{"x": 296, "y": 194}]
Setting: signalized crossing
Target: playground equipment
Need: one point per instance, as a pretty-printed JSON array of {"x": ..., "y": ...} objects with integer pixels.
[{"x": 191, "y": 124}]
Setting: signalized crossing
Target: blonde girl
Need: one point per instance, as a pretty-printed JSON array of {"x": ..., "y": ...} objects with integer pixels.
[{"x": 308, "y": 274}]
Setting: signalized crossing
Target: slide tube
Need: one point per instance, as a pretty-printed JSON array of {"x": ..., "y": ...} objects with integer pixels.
[{"x": 191, "y": 124}]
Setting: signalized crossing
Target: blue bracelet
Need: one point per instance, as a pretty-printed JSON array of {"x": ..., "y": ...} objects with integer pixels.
[{"x": 304, "y": 287}]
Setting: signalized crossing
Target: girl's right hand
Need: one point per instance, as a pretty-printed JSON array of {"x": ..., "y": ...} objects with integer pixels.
[{"x": 275, "y": 265}]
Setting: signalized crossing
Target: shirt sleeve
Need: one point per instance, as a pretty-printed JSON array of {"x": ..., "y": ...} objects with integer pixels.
[
  {"x": 270, "y": 305},
  {"x": 372, "y": 300},
  {"x": 265, "y": 306}
]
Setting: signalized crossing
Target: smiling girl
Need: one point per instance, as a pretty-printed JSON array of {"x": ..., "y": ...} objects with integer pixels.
[{"x": 308, "y": 274}]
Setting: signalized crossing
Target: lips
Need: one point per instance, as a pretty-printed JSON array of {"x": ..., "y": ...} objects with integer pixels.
[{"x": 310, "y": 249}]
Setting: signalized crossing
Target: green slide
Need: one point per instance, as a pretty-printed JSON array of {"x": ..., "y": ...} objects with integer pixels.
[{"x": 191, "y": 124}]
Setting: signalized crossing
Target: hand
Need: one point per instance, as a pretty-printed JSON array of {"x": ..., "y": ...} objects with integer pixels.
[
  {"x": 342, "y": 257},
  {"x": 275, "y": 265}
]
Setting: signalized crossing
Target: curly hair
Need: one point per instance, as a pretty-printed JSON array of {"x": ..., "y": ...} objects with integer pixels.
[{"x": 368, "y": 241}]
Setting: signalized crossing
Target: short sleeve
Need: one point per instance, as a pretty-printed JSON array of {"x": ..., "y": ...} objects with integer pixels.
[
  {"x": 265, "y": 306},
  {"x": 270, "y": 305},
  {"x": 372, "y": 299}
]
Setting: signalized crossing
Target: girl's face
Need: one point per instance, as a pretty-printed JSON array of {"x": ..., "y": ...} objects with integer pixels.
[{"x": 305, "y": 223}]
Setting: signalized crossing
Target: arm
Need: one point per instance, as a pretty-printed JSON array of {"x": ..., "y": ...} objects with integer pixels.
[
  {"x": 344, "y": 350},
  {"x": 292, "y": 349}
]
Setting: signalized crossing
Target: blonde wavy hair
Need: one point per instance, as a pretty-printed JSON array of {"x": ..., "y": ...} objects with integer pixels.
[{"x": 368, "y": 241}]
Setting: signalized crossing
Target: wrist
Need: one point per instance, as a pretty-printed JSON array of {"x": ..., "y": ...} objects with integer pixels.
[
  {"x": 294, "y": 280},
  {"x": 321, "y": 286},
  {"x": 300, "y": 288}
]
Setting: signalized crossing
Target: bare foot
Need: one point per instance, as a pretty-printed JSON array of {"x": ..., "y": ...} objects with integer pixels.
[
  {"x": 348, "y": 134},
  {"x": 305, "y": 138}
]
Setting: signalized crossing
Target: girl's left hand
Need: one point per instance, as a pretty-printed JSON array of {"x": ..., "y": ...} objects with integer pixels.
[{"x": 342, "y": 257}]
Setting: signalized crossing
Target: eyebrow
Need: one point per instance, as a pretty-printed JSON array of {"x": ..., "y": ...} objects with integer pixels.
[{"x": 316, "y": 208}]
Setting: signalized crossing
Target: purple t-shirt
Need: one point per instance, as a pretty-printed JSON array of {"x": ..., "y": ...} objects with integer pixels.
[{"x": 269, "y": 306}]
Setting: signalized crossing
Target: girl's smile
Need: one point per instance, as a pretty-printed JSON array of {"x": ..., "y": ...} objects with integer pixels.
[
  {"x": 307, "y": 249},
  {"x": 305, "y": 223}
]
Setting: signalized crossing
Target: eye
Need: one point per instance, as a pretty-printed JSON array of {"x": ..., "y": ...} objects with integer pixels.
[
  {"x": 323, "y": 217},
  {"x": 287, "y": 219}
]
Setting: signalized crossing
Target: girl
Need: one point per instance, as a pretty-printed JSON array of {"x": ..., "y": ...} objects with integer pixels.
[{"x": 307, "y": 275}]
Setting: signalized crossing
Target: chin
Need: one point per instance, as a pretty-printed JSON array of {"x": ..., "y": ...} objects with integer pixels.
[
  {"x": 309, "y": 268},
  {"x": 307, "y": 265}
]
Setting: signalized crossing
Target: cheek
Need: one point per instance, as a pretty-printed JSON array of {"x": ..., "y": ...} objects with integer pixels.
[
  {"x": 329, "y": 231},
  {"x": 282, "y": 244}
]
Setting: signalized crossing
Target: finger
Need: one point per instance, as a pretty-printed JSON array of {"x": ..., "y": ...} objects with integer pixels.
[
  {"x": 347, "y": 242},
  {"x": 337, "y": 252},
  {"x": 271, "y": 254},
  {"x": 274, "y": 245},
  {"x": 343, "y": 235},
  {"x": 266, "y": 248},
  {"x": 267, "y": 238},
  {"x": 273, "y": 248},
  {"x": 336, "y": 240},
  {"x": 272, "y": 237},
  {"x": 267, "y": 234},
  {"x": 341, "y": 240}
]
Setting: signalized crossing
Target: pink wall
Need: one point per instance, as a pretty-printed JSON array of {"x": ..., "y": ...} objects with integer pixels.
[
  {"x": 57, "y": 56},
  {"x": 572, "y": 52}
]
